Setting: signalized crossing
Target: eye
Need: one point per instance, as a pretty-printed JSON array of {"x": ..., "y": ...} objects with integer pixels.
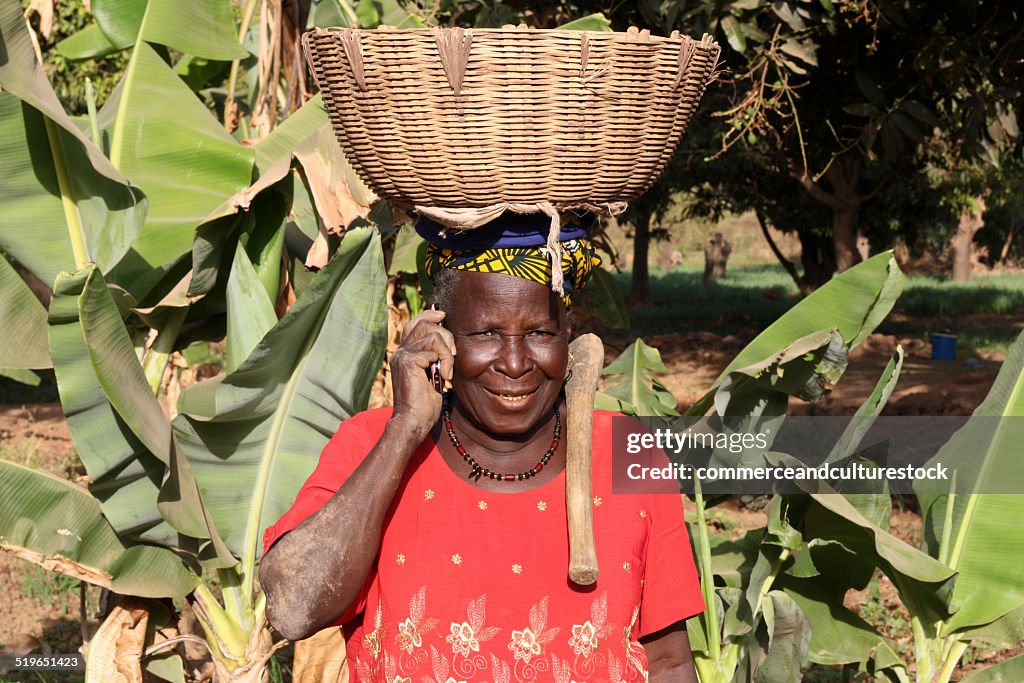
[{"x": 541, "y": 333}]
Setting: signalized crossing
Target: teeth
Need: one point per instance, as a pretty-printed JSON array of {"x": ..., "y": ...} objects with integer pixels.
[{"x": 513, "y": 398}]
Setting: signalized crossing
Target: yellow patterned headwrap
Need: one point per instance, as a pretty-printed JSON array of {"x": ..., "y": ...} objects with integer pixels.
[{"x": 530, "y": 263}]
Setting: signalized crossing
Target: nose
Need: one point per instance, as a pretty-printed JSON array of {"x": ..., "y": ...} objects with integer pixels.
[{"x": 513, "y": 360}]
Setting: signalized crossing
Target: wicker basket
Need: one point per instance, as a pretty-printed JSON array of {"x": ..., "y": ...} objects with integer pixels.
[{"x": 477, "y": 118}]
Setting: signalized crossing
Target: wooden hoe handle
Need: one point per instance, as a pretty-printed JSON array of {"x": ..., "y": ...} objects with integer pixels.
[{"x": 588, "y": 353}]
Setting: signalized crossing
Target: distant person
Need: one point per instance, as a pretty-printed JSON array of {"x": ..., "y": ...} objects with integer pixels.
[{"x": 716, "y": 255}]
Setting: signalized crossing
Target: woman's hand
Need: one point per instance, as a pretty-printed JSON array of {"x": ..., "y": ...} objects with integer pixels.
[{"x": 424, "y": 340}]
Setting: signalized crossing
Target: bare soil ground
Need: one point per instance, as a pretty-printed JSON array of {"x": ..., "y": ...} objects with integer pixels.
[{"x": 925, "y": 387}]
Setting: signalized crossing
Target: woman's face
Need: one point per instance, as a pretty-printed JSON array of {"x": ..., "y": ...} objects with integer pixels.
[{"x": 512, "y": 346}]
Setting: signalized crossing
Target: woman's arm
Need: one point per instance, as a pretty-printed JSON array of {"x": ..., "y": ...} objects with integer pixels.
[
  {"x": 316, "y": 571},
  {"x": 669, "y": 659}
]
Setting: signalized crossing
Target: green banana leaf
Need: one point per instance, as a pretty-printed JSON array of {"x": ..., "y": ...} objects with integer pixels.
[
  {"x": 23, "y": 321},
  {"x": 870, "y": 498},
  {"x": 89, "y": 43},
  {"x": 204, "y": 28},
  {"x": 64, "y": 202},
  {"x": 1005, "y": 632},
  {"x": 326, "y": 13},
  {"x": 838, "y": 636},
  {"x": 250, "y": 312},
  {"x": 171, "y": 146},
  {"x": 252, "y": 211},
  {"x": 125, "y": 477},
  {"x": 983, "y": 541},
  {"x": 851, "y": 546},
  {"x": 634, "y": 388},
  {"x": 853, "y": 302},
  {"x": 1008, "y": 671},
  {"x": 591, "y": 22},
  {"x": 604, "y": 300},
  {"x": 298, "y": 127},
  {"x": 97, "y": 370},
  {"x": 200, "y": 28},
  {"x": 868, "y": 411},
  {"x": 52, "y": 522},
  {"x": 778, "y": 653},
  {"x": 21, "y": 375},
  {"x": 253, "y": 437},
  {"x": 802, "y": 368},
  {"x": 119, "y": 20},
  {"x": 405, "y": 254}
]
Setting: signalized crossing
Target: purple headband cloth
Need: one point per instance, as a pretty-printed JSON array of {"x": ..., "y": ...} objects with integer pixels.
[{"x": 509, "y": 231}]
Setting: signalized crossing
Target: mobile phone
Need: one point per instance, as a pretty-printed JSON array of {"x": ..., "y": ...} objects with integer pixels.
[{"x": 434, "y": 371}]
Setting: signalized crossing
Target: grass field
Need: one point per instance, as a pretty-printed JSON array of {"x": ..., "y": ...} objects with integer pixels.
[{"x": 754, "y": 296}]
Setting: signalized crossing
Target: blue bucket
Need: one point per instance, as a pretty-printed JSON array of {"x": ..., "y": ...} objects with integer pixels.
[{"x": 943, "y": 346}]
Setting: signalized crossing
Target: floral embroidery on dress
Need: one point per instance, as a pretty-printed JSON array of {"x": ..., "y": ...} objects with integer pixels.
[
  {"x": 635, "y": 654},
  {"x": 561, "y": 671},
  {"x": 372, "y": 640},
  {"x": 614, "y": 669},
  {"x": 391, "y": 671},
  {"x": 542, "y": 506},
  {"x": 467, "y": 636},
  {"x": 517, "y": 569},
  {"x": 501, "y": 671},
  {"x": 408, "y": 637},
  {"x": 482, "y": 504},
  {"x": 441, "y": 668},
  {"x": 428, "y": 494},
  {"x": 586, "y": 636},
  {"x": 463, "y": 639},
  {"x": 526, "y": 644},
  {"x": 456, "y": 559}
]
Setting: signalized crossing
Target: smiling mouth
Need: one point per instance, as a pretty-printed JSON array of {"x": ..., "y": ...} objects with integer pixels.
[{"x": 513, "y": 398}]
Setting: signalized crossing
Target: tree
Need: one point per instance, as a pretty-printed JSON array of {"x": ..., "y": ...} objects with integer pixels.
[{"x": 839, "y": 96}]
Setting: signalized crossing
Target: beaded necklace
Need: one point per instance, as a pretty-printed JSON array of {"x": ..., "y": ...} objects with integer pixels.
[{"x": 477, "y": 469}]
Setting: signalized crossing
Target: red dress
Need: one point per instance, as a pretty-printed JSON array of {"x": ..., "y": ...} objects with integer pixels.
[{"x": 471, "y": 585}]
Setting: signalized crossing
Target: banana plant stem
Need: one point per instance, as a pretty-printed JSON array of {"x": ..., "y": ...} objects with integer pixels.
[
  {"x": 250, "y": 7},
  {"x": 947, "y": 523},
  {"x": 74, "y": 220},
  {"x": 117, "y": 137},
  {"x": 156, "y": 360},
  {"x": 222, "y": 632},
  {"x": 953, "y": 654},
  {"x": 90, "y": 105},
  {"x": 236, "y": 603},
  {"x": 707, "y": 579},
  {"x": 766, "y": 586}
]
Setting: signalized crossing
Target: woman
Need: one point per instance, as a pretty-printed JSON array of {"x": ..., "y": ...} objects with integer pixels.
[{"x": 435, "y": 531}]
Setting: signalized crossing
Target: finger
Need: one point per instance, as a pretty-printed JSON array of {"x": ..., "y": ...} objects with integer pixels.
[
  {"x": 428, "y": 316},
  {"x": 420, "y": 358},
  {"x": 449, "y": 339}
]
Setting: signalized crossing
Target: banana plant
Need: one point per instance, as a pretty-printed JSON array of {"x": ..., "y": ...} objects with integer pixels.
[
  {"x": 970, "y": 530},
  {"x": 133, "y": 265}
]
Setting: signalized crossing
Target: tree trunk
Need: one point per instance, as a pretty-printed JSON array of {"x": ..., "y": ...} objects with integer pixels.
[
  {"x": 640, "y": 294},
  {"x": 844, "y": 238},
  {"x": 844, "y": 177},
  {"x": 818, "y": 258},
  {"x": 800, "y": 280},
  {"x": 971, "y": 221}
]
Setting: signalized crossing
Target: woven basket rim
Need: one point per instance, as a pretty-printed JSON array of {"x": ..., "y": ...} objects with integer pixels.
[{"x": 640, "y": 37}]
